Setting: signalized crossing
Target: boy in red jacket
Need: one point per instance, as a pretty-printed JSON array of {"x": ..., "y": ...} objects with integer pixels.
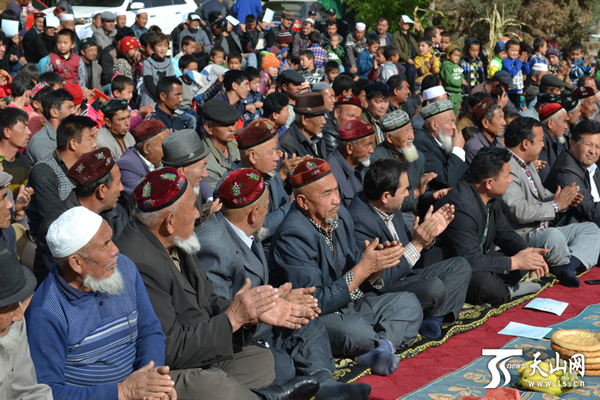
[{"x": 65, "y": 63}]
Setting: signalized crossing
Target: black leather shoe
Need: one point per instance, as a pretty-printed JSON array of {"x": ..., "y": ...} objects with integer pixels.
[{"x": 299, "y": 388}]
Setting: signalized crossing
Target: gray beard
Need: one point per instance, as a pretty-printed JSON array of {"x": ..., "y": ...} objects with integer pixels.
[
  {"x": 411, "y": 154},
  {"x": 9, "y": 343},
  {"x": 261, "y": 234},
  {"x": 196, "y": 190},
  {"x": 330, "y": 221},
  {"x": 111, "y": 285},
  {"x": 446, "y": 142},
  {"x": 366, "y": 163},
  {"x": 189, "y": 246},
  {"x": 561, "y": 139},
  {"x": 319, "y": 135}
]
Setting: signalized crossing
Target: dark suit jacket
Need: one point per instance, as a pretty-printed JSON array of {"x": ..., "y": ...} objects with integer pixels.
[
  {"x": 192, "y": 316},
  {"x": 549, "y": 153},
  {"x": 133, "y": 171},
  {"x": 368, "y": 225},
  {"x": 389, "y": 38},
  {"x": 448, "y": 167},
  {"x": 117, "y": 219},
  {"x": 301, "y": 256},
  {"x": 464, "y": 235},
  {"x": 331, "y": 134},
  {"x": 251, "y": 37},
  {"x": 415, "y": 173},
  {"x": 293, "y": 141},
  {"x": 476, "y": 143},
  {"x": 279, "y": 200},
  {"x": 350, "y": 180},
  {"x": 565, "y": 171}
]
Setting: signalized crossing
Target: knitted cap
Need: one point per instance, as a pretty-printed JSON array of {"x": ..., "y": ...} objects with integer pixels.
[{"x": 269, "y": 60}]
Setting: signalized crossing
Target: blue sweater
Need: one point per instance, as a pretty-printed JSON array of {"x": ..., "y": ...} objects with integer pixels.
[
  {"x": 579, "y": 69},
  {"x": 364, "y": 63},
  {"x": 516, "y": 68},
  {"x": 84, "y": 343}
]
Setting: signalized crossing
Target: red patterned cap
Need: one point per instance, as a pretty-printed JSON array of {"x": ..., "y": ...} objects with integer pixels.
[
  {"x": 129, "y": 43},
  {"x": 309, "y": 171},
  {"x": 481, "y": 107},
  {"x": 353, "y": 100},
  {"x": 549, "y": 110},
  {"x": 355, "y": 129},
  {"x": 159, "y": 189},
  {"x": 584, "y": 92},
  {"x": 76, "y": 92},
  {"x": 241, "y": 188},
  {"x": 92, "y": 166},
  {"x": 258, "y": 132},
  {"x": 59, "y": 10},
  {"x": 39, "y": 15},
  {"x": 147, "y": 129}
]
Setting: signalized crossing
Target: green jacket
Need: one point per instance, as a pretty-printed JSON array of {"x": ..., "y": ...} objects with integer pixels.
[
  {"x": 404, "y": 47},
  {"x": 452, "y": 76},
  {"x": 336, "y": 55}
]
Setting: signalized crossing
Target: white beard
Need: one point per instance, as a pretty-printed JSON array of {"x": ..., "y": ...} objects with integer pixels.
[
  {"x": 189, "y": 246},
  {"x": 111, "y": 285},
  {"x": 330, "y": 221},
  {"x": 261, "y": 234},
  {"x": 319, "y": 135},
  {"x": 196, "y": 190},
  {"x": 410, "y": 153},
  {"x": 9, "y": 343},
  {"x": 446, "y": 142},
  {"x": 366, "y": 163},
  {"x": 561, "y": 139}
]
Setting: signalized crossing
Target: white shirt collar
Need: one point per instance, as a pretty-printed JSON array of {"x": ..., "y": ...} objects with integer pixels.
[
  {"x": 245, "y": 238},
  {"x": 592, "y": 169},
  {"x": 150, "y": 166}
]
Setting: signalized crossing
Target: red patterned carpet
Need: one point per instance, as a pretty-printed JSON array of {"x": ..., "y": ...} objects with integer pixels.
[{"x": 461, "y": 349}]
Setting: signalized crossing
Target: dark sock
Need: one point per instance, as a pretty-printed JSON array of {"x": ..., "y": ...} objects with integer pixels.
[
  {"x": 432, "y": 327},
  {"x": 333, "y": 390},
  {"x": 380, "y": 361},
  {"x": 566, "y": 273}
]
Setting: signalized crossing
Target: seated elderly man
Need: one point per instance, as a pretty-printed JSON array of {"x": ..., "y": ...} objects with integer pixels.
[
  {"x": 142, "y": 158},
  {"x": 258, "y": 145},
  {"x": 530, "y": 207},
  {"x": 578, "y": 165},
  {"x": 209, "y": 338},
  {"x": 349, "y": 162},
  {"x": 245, "y": 197},
  {"x": 346, "y": 108},
  {"x": 93, "y": 333},
  {"x": 17, "y": 372},
  {"x": 489, "y": 118},
  {"x": 479, "y": 225},
  {"x": 587, "y": 100},
  {"x": 398, "y": 144},
  {"x": 315, "y": 246},
  {"x": 114, "y": 134},
  {"x": 442, "y": 145},
  {"x": 440, "y": 286},
  {"x": 97, "y": 186},
  {"x": 554, "y": 123},
  {"x": 220, "y": 118},
  {"x": 304, "y": 137}
]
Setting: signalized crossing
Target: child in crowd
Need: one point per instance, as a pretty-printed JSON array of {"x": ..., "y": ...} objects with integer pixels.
[
  {"x": 187, "y": 106},
  {"x": 540, "y": 47},
  {"x": 452, "y": 76},
  {"x": 36, "y": 95},
  {"x": 496, "y": 63},
  {"x": 20, "y": 87},
  {"x": 391, "y": 55},
  {"x": 64, "y": 62},
  {"x": 254, "y": 99},
  {"x": 234, "y": 60},
  {"x": 332, "y": 70},
  {"x": 276, "y": 109},
  {"x": 320, "y": 55},
  {"x": 53, "y": 79},
  {"x": 472, "y": 65},
  {"x": 155, "y": 67},
  {"x": 435, "y": 34},
  {"x": 188, "y": 47},
  {"x": 527, "y": 49},
  {"x": 425, "y": 63},
  {"x": 379, "y": 61},
  {"x": 310, "y": 73},
  {"x": 365, "y": 60},
  {"x": 269, "y": 69},
  {"x": 335, "y": 52},
  {"x": 217, "y": 56},
  {"x": 281, "y": 46},
  {"x": 31, "y": 71},
  {"x": 445, "y": 41},
  {"x": 122, "y": 87},
  {"x": 146, "y": 48},
  {"x": 518, "y": 67},
  {"x": 581, "y": 66}
]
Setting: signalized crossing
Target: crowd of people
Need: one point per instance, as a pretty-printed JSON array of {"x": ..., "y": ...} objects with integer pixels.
[{"x": 226, "y": 221}]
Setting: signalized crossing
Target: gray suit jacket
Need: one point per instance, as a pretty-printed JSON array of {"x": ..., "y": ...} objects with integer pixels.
[
  {"x": 476, "y": 143},
  {"x": 102, "y": 39},
  {"x": 523, "y": 208},
  {"x": 350, "y": 180},
  {"x": 96, "y": 73}
]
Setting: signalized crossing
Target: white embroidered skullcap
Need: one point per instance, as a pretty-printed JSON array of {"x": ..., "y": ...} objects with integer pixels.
[
  {"x": 67, "y": 17},
  {"x": 433, "y": 92},
  {"x": 52, "y": 21},
  {"x": 118, "y": 13},
  {"x": 142, "y": 11},
  {"x": 360, "y": 26},
  {"x": 72, "y": 231},
  {"x": 539, "y": 67}
]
